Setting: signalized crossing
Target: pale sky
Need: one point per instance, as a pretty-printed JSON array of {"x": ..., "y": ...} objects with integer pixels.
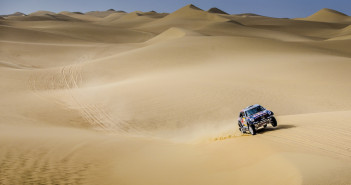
[{"x": 273, "y": 8}]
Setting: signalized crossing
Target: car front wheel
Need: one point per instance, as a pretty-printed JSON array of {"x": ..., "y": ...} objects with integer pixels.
[
  {"x": 274, "y": 122},
  {"x": 252, "y": 129},
  {"x": 239, "y": 125}
]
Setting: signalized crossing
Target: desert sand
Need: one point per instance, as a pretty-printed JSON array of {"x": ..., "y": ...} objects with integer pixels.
[{"x": 110, "y": 97}]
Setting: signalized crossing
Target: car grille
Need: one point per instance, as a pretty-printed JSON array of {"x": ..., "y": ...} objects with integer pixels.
[{"x": 262, "y": 118}]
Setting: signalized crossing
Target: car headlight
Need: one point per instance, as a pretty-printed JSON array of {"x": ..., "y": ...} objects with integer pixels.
[{"x": 251, "y": 119}]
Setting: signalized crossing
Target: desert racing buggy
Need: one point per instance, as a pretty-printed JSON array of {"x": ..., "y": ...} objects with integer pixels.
[{"x": 254, "y": 117}]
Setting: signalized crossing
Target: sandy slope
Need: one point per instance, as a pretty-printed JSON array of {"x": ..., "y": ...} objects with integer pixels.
[
  {"x": 151, "y": 98},
  {"x": 328, "y": 15}
]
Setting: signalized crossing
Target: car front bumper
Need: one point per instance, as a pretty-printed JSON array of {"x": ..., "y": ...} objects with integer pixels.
[{"x": 263, "y": 122}]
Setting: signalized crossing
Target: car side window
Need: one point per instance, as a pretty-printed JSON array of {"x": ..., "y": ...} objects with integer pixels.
[{"x": 241, "y": 114}]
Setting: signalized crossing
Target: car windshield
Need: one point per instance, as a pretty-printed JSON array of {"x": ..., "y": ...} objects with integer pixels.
[{"x": 254, "y": 110}]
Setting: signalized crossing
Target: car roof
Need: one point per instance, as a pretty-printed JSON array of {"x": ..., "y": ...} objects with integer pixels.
[{"x": 250, "y": 107}]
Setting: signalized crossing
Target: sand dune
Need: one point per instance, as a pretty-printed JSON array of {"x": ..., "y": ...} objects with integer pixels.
[
  {"x": 41, "y": 13},
  {"x": 109, "y": 97},
  {"x": 9, "y": 33},
  {"x": 103, "y": 14},
  {"x": 188, "y": 17},
  {"x": 154, "y": 14},
  {"x": 192, "y": 12},
  {"x": 328, "y": 15},
  {"x": 172, "y": 33},
  {"x": 113, "y": 16},
  {"x": 133, "y": 19},
  {"x": 216, "y": 10},
  {"x": 14, "y": 14},
  {"x": 42, "y": 16},
  {"x": 310, "y": 29},
  {"x": 80, "y": 16},
  {"x": 343, "y": 34},
  {"x": 235, "y": 29},
  {"x": 76, "y": 33}
]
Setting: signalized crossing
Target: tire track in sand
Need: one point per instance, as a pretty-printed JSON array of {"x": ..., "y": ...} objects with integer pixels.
[{"x": 61, "y": 84}]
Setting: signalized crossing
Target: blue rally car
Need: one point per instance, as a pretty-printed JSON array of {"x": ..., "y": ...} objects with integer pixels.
[{"x": 254, "y": 117}]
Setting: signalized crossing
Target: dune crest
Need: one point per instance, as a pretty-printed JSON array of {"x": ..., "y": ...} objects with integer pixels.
[
  {"x": 216, "y": 10},
  {"x": 328, "y": 15},
  {"x": 190, "y": 12},
  {"x": 172, "y": 33},
  {"x": 79, "y": 16},
  {"x": 113, "y": 17},
  {"x": 43, "y": 16},
  {"x": 103, "y": 14},
  {"x": 131, "y": 20},
  {"x": 41, "y": 13},
  {"x": 14, "y": 14},
  {"x": 187, "y": 17}
]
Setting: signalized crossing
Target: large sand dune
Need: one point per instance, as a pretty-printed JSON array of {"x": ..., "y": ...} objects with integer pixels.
[
  {"x": 109, "y": 97},
  {"x": 329, "y": 15}
]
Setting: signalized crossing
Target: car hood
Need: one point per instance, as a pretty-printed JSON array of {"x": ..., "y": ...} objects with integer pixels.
[{"x": 260, "y": 114}]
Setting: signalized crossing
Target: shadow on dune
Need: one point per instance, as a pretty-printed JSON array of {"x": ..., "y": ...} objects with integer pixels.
[{"x": 279, "y": 127}]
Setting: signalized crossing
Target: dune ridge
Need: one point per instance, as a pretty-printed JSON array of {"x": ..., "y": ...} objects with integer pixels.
[
  {"x": 103, "y": 14},
  {"x": 328, "y": 15},
  {"x": 216, "y": 10},
  {"x": 41, "y": 13}
]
